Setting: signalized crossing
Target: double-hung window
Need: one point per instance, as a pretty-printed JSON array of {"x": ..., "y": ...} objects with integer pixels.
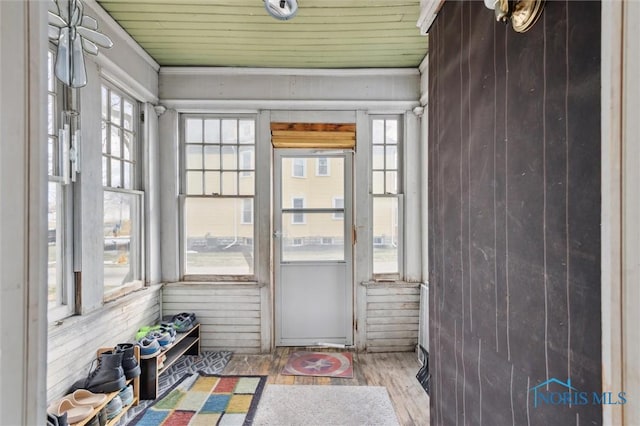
[
  {"x": 218, "y": 192},
  {"x": 123, "y": 199},
  {"x": 59, "y": 271},
  {"x": 387, "y": 197}
]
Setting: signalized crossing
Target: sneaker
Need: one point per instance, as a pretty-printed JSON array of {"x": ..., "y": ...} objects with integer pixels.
[
  {"x": 114, "y": 407},
  {"x": 163, "y": 338},
  {"x": 184, "y": 321},
  {"x": 126, "y": 395},
  {"x": 148, "y": 347}
]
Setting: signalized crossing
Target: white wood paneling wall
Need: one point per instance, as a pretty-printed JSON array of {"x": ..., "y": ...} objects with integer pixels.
[
  {"x": 229, "y": 314},
  {"x": 393, "y": 312},
  {"x": 72, "y": 344}
]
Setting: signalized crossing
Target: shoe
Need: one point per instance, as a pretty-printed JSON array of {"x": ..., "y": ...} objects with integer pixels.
[
  {"x": 95, "y": 421},
  {"x": 114, "y": 407},
  {"x": 64, "y": 407},
  {"x": 85, "y": 397},
  {"x": 126, "y": 395},
  {"x": 106, "y": 376},
  {"x": 148, "y": 348},
  {"x": 53, "y": 420},
  {"x": 184, "y": 321},
  {"x": 129, "y": 362},
  {"x": 163, "y": 338}
]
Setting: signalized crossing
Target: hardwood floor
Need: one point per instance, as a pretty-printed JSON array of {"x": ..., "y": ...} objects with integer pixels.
[{"x": 396, "y": 371}]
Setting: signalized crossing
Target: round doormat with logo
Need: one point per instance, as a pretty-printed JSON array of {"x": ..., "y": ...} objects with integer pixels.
[{"x": 322, "y": 364}]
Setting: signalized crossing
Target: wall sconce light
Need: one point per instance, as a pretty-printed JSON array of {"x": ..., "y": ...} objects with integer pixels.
[
  {"x": 281, "y": 9},
  {"x": 521, "y": 13}
]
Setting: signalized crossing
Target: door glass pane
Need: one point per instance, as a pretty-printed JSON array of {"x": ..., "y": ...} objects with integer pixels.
[
  {"x": 219, "y": 236},
  {"x": 385, "y": 235},
  {"x": 317, "y": 191},
  {"x": 319, "y": 236}
]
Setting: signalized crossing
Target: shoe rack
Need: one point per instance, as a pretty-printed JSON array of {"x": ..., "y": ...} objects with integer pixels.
[
  {"x": 187, "y": 343},
  {"x": 111, "y": 395}
]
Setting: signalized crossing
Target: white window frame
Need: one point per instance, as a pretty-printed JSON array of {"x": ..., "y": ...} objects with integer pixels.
[
  {"x": 398, "y": 194},
  {"x": 65, "y": 305},
  {"x": 184, "y": 195},
  {"x": 327, "y": 166},
  {"x": 136, "y": 241},
  {"x": 243, "y": 211},
  {"x": 294, "y": 242},
  {"x": 303, "y": 221},
  {"x": 336, "y": 215},
  {"x": 303, "y": 164},
  {"x": 326, "y": 241}
]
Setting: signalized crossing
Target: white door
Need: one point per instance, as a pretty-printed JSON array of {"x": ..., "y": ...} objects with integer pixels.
[{"x": 313, "y": 247}]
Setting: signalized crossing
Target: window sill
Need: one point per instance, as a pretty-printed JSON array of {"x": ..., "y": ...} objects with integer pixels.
[
  {"x": 211, "y": 283},
  {"x": 122, "y": 291},
  {"x": 75, "y": 320},
  {"x": 390, "y": 283}
]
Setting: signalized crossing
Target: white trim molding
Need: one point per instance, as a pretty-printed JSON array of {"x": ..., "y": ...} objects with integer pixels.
[
  {"x": 253, "y": 106},
  {"x": 428, "y": 11},
  {"x": 118, "y": 30},
  {"x": 236, "y": 71}
]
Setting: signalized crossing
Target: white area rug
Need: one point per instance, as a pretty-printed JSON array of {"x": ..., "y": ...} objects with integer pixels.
[{"x": 325, "y": 405}]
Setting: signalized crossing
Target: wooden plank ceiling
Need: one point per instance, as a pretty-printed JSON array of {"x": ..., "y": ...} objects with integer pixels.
[{"x": 324, "y": 34}]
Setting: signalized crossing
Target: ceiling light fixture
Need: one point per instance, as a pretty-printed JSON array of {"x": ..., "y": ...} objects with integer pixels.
[
  {"x": 281, "y": 9},
  {"x": 521, "y": 13}
]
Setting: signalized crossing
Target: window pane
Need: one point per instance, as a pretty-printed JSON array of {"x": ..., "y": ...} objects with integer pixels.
[
  {"x": 392, "y": 132},
  {"x": 105, "y": 103},
  {"x": 378, "y": 183},
  {"x": 51, "y": 118},
  {"x": 385, "y": 235},
  {"x": 128, "y": 115},
  {"x": 51, "y": 157},
  {"x": 193, "y": 130},
  {"x": 194, "y": 156},
  {"x": 115, "y": 142},
  {"x": 116, "y": 108},
  {"x": 51, "y": 80},
  {"x": 212, "y": 183},
  {"x": 391, "y": 183},
  {"x": 217, "y": 240},
  {"x": 194, "y": 183},
  {"x": 121, "y": 232},
  {"x": 246, "y": 158},
  {"x": 212, "y": 131},
  {"x": 54, "y": 239},
  {"x": 127, "y": 146},
  {"x": 392, "y": 157},
  {"x": 212, "y": 157},
  {"x": 105, "y": 171},
  {"x": 128, "y": 175},
  {"x": 377, "y": 132},
  {"x": 247, "y": 131},
  {"x": 116, "y": 181},
  {"x": 247, "y": 183},
  {"x": 230, "y": 183},
  {"x": 229, "y": 131},
  {"x": 105, "y": 139},
  {"x": 378, "y": 157},
  {"x": 319, "y": 237},
  {"x": 229, "y": 158}
]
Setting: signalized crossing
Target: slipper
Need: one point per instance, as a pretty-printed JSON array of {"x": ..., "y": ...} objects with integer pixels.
[
  {"x": 85, "y": 397},
  {"x": 74, "y": 414}
]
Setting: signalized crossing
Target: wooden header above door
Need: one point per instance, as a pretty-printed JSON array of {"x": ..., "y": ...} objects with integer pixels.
[{"x": 313, "y": 135}]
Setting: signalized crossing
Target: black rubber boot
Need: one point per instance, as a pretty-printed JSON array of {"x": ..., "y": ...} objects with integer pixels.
[
  {"x": 108, "y": 376},
  {"x": 129, "y": 362}
]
